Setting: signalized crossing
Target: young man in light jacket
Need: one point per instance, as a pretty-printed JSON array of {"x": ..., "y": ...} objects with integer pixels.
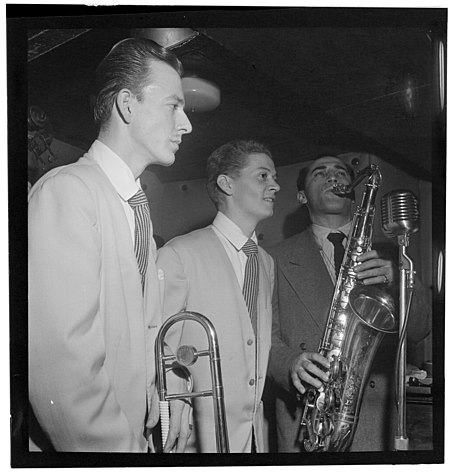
[{"x": 204, "y": 271}]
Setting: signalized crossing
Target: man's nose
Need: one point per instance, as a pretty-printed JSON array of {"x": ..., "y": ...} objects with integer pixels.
[
  {"x": 332, "y": 177},
  {"x": 275, "y": 186},
  {"x": 185, "y": 125}
]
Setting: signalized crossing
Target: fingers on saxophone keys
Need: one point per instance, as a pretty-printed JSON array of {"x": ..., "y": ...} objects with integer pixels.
[
  {"x": 298, "y": 384},
  {"x": 317, "y": 370},
  {"x": 313, "y": 379}
]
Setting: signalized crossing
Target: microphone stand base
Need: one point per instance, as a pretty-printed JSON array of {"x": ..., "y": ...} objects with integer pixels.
[{"x": 401, "y": 443}]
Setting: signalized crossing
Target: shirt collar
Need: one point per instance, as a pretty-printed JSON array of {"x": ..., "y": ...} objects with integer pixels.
[
  {"x": 321, "y": 232},
  {"x": 116, "y": 170},
  {"x": 231, "y": 231}
]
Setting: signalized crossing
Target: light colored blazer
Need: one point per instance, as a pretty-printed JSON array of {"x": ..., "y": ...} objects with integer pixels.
[
  {"x": 91, "y": 332},
  {"x": 302, "y": 298},
  {"x": 198, "y": 276}
]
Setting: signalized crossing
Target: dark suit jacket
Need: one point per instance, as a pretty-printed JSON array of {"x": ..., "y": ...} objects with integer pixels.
[{"x": 303, "y": 294}]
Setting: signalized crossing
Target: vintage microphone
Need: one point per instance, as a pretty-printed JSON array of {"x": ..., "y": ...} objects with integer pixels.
[
  {"x": 399, "y": 213},
  {"x": 400, "y": 218}
]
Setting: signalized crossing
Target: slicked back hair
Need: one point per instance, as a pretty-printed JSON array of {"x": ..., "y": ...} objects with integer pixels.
[
  {"x": 229, "y": 159},
  {"x": 127, "y": 65}
]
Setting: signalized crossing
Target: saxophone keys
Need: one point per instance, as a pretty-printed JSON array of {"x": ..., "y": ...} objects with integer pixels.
[
  {"x": 324, "y": 427},
  {"x": 330, "y": 400},
  {"x": 335, "y": 369}
]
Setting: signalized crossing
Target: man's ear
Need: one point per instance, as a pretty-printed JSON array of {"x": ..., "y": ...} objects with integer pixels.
[
  {"x": 124, "y": 105},
  {"x": 225, "y": 183},
  {"x": 301, "y": 198}
]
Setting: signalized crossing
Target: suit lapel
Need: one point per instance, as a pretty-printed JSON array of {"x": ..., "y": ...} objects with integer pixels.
[
  {"x": 264, "y": 309},
  {"x": 305, "y": 270},
  {"x": 222, "y": 258}
]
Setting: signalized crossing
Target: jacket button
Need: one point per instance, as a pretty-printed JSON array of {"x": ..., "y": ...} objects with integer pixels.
[
  {"x": 252, "y": 382},
  {"x": 249, "y": 342},
  {"x": 372, "y": 384},
  {"x": 303, "y": 346}
]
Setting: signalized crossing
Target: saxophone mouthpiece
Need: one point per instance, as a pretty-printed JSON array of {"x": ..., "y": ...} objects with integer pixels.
[{"x": 341, "y": 189}]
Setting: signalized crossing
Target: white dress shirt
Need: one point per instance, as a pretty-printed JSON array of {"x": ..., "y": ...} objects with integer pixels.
[
  {"x": 233, "y": 239},
  {"x": 122, "y": 179}
]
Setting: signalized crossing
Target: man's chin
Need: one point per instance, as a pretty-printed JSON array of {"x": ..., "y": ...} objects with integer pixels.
[
  {"x": 166, "y": 161},
  {"x": 337, "y": 205}
]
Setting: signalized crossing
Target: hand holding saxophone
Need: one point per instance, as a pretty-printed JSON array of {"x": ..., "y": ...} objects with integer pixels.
[
  {"x": 310, "y": 368},
  {"x": 374, "y": 269}
]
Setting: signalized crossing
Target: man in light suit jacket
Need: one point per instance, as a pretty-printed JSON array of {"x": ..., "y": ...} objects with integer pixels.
[
  {"x": 204, "y": 272},
  {"x": 305, "y": 280},
  {"x": 93, "y": 312}
]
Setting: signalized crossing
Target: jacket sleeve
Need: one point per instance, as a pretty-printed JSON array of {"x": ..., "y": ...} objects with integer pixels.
[
  {"x": 175, "y": 290},
  {"x": 281, "y": 355},
  {"x": 69, "y": 389}
]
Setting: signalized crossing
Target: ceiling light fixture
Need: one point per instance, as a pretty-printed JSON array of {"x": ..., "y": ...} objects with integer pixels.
[
  {"x": 169, "y": 38},
  {"x": 200, "y": 95}
]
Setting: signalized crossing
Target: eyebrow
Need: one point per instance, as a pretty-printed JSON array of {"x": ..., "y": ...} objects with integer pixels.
[
  {"x": 176, "y": 98},
  {"x": 267, "y": 169},
  {"x": 337, "y": 166}
]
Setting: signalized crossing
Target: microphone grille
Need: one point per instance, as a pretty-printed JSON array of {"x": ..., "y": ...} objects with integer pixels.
[{"x": 399, "y": 213}]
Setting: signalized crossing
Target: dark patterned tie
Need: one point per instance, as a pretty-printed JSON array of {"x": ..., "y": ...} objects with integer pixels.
[
  {"x": 251, "y": 280},
  {"x": 336, "y": 239},
  {"x": 139, "y": 204}
]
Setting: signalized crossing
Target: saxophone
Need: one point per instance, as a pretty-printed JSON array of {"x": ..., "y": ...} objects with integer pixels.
[{"x": 358, "y": 318}]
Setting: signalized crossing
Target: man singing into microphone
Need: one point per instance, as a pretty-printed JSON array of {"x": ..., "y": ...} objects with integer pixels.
[{"x": 306, "y": 268}]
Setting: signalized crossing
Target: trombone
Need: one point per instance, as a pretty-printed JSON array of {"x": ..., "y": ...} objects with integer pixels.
[{"x": 184, "y": 357}]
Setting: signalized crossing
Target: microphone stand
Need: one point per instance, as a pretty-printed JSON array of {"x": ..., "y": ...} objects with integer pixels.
[{"x": 406, "y": 287}]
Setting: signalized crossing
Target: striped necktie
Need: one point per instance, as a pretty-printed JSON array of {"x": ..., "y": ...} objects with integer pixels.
[
  {"x": 139, "y": 204},
  {"x": 251, "y": 279},
  {"x": 336, "y": 239}
]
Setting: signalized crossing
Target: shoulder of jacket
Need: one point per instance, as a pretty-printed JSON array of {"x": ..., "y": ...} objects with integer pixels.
[
  {"x": 286, "y": 246},
  {"x": 83, "y": 169},
  {"x": 194, "y": 238},
  {"x": 82, "y": 178}
]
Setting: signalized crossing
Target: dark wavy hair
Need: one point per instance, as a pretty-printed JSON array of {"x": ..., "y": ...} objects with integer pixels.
[
  {"x": 229, "y": 159},
  {"x": 127, "y": 65}
]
